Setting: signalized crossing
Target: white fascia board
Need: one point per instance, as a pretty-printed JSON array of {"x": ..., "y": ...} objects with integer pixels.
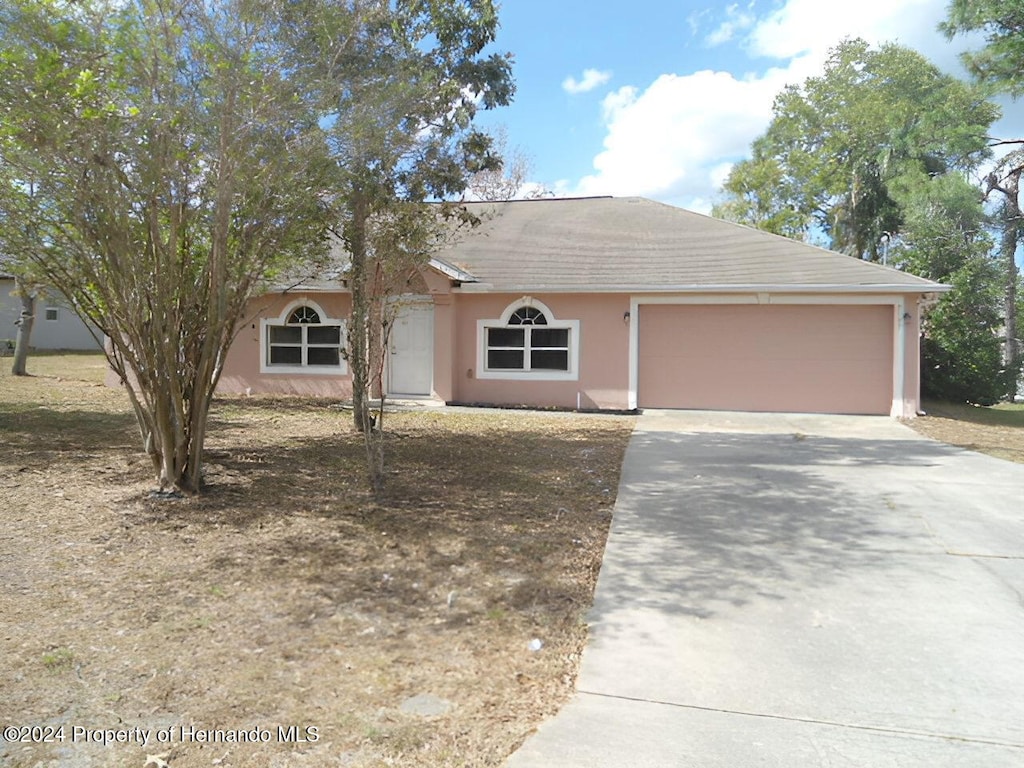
[
  {"x": 450, "y": 270},
  {"x": 303, "y": 288}
]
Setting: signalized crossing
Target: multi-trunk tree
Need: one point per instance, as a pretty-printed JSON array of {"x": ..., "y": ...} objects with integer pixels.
[
  {"x": 162, "y": 160},
  {"x": 156, "y": 165}
]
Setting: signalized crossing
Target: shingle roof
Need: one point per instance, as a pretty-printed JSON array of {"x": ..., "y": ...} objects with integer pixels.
[{"x": 634, "y": 244}]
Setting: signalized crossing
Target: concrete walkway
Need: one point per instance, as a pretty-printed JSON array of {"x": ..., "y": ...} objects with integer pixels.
[{"x": 801, "y": 591}]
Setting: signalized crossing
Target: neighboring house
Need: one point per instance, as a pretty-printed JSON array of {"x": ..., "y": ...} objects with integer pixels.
[
  {"x": 55, "y": 327},
  {"x": 615, "y": 303}
]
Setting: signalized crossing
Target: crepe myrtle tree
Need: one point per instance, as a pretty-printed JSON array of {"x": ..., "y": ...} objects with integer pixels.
[{"x": 158, "y": 163}]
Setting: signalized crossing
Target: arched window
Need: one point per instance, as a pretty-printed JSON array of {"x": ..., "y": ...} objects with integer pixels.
[
  {"x": 528, "y": 316},
  {"x": 528, "y": 342},
  {"x": 303, "y": 340},
  {"x": 304, "y": 314}
]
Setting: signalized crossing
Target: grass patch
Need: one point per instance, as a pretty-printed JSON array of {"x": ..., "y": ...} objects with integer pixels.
[
  {"x": 997, "y": 430},
  {"x": 58, "y": 660},
  {"x": 81, "y": 365},
  {"x": 1002, "y": 415}
]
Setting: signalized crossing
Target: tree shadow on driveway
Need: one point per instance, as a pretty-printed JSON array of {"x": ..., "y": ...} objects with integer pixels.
[{"x": 713, "y": 520}]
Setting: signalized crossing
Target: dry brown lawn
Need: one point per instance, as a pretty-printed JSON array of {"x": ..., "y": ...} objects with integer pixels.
[
  {"x": 997, "y": 431},
  {"x": 285, "y": 599},
  {"x": 284, "y": 596}
]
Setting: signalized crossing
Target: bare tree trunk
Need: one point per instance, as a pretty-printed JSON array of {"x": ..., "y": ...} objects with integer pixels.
[
  {"x": 25, "y": 322},
  {"x": 383, "y": 321},
  {"x": 358, "y": 333},
  {"x": 363, "y": 338},
  {"x": 1008, "y": 250}
]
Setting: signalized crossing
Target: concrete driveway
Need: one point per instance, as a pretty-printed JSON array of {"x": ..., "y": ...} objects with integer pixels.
[{"x": 800, "y": 591}]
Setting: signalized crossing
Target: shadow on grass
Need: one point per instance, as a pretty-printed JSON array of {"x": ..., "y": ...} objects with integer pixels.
[
  {"x": 426, "y": 471},
  {"x": 999, "y": 416},
  {"x": 40, "y": 430},
  {"x": 457, "y": 503},
  {"x": 499, "y": 508}
]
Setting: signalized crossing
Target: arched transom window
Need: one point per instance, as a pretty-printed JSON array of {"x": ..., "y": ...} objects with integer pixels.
[
  {"x": 303, "y": 340},
  {"x": 528, "y": 316},
  {"x": 528, "y": 342}
]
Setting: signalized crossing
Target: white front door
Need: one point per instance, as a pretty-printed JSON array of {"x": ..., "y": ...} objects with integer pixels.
[{"x": 411, "y": 358}]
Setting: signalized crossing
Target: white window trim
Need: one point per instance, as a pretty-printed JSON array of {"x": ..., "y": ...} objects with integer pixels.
[
  {"x": 56, "y": 314},
  {"x": 572, "y": 374},
  {"x": 303, "y": 370}
]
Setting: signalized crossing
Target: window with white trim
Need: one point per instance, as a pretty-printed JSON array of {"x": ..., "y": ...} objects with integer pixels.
[
  {"x": 52, "y": 313},
  {"x": 528, "y": 342},
  {"x": 303, "y": 340}
]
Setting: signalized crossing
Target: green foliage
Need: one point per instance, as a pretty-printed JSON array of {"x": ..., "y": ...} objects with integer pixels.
[
  {"x": 162, "y": 160},
  {"x": 944, "y": 225},
  {"x": 837, "y": 142},
  {"x": 401, "y": 90},
  {"x": 755, "y": 197},
  {"x": 58, "y": 659},
  {"x": 874, "y": 154},
  {"x": 961, "y": 352},
  {"x": 1000, "y": 62},
  {"x": 945, "y": 239}
]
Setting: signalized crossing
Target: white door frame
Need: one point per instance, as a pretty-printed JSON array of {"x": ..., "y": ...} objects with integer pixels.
[{"x": 416, "y": 302}]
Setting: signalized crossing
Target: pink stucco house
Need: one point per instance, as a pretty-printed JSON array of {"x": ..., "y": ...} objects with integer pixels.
[{"x": 614, "y": 303}]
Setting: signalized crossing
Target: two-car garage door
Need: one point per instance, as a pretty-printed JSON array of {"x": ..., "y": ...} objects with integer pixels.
[{"x": 755, "y": 357}]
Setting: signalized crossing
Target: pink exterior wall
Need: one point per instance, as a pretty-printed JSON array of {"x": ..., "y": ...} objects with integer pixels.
[
  {"x": 603, "y": 353},
  {"x": 444, "y": 347},
  {"x": 242, "y": 367},
  {"x": 775, "y": 356}
]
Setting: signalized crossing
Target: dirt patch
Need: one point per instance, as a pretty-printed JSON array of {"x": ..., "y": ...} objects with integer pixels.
[
  {"x": 997, "y": 431},
  {"x": 285, "y": 607}
]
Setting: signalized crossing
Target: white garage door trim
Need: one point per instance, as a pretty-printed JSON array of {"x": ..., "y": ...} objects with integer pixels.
[{"x": 761, "y": 297}]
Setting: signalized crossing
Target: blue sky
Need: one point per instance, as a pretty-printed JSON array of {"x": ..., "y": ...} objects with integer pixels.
[{"x": 660, "y": 97}]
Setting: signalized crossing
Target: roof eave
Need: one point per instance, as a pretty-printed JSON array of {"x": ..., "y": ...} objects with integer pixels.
[
  {"x": 726, "y": 288},
  {"x": 451, "y": 271},
  {"x": 302, "y": 287}
]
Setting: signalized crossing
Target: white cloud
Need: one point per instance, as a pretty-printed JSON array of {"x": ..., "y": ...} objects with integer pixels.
[
  {"x": 695, "y": 19},
  {"x": 592, "y": 78},
  {"x": 670, "y": 141},
  {"x": 736, "y": 21},
  {"x": 677, "y": 139},
  {"x": 802, "y": 27}
]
